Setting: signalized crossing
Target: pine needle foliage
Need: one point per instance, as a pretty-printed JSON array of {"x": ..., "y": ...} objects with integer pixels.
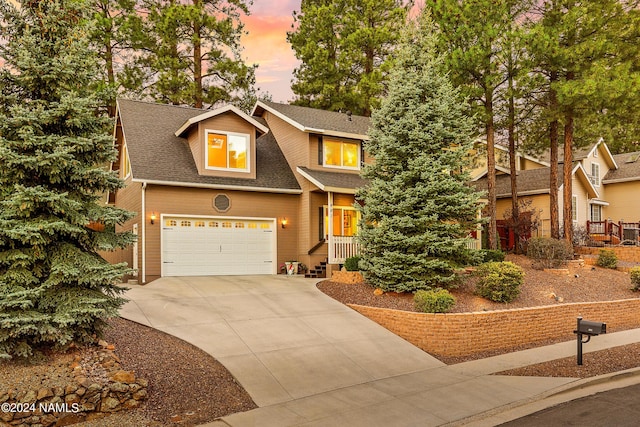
[
  {"x": 55, "y": 288},
  {"x": 417, "y": 208}
]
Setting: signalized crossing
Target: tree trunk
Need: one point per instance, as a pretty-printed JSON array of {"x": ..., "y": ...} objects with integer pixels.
[
  {"x": 491, "y": 173},
  {"x": 567, "y": 218},
  {"x": 515, "y": 214},
  {"x": 553, "y": 172},
  {"x": 197, "y": 61}
]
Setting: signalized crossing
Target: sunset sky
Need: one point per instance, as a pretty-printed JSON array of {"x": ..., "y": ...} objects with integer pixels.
[{"x": 267, "y": 46}]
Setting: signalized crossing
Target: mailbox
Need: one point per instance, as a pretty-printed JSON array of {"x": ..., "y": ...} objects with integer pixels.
[
  {"x": 590, "y": 329},
  {"x": 587, "y": 327}
]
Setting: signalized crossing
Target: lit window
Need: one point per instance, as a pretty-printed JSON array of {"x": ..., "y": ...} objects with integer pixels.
[
  {"x": 226, "y": 225},
  {"x": 341, "y": 154},
  {"x": 227, "y": 151},
  {"x": 344, "y": 221},
  {"x": 214, "y": 224},
  {"x": 199, "y": 224},
  {"x": 171, "y": 223},
  {"x": 253, "y": 225},
  {"x": 265, "y": 226},
  {"x": 239, "y": 224}
]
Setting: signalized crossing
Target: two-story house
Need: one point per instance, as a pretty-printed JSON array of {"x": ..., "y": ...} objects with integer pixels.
[
  {"x": 220, "y": 192},
  {"x": 605, "y": 188}
]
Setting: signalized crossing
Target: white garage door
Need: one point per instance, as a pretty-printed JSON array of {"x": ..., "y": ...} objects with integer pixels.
[{"x": 217, "y": 246}]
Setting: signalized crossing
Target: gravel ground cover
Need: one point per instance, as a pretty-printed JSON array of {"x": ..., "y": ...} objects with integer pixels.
[
  {"x": 575, "y": 284},
  {"x": 578, "y": 284},
  {"x": 187, "y": 387}
]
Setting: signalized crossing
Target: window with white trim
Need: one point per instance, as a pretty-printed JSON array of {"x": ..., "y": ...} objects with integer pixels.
[
  {"x": 574, "y": 208},
  {"x": 341, "y": 154},
  {"x": 595, "y": 174},
  {"x": 227, "y": 151},
  {"x": 596, "y": 213},
  {"x": 344, "y": 221}
]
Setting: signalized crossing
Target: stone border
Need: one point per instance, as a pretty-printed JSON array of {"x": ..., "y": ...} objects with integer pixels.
[
  {"x": 99, "y": 387},
  {"x": 347, "y": 277},
  {"x": 465, "y": 334}
]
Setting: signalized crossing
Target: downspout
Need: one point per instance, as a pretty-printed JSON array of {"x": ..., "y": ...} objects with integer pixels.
[{"x": 144, "y": 235}]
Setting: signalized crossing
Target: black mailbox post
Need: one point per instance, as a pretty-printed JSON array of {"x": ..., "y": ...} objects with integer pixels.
[{"x": 590, "y": 329}]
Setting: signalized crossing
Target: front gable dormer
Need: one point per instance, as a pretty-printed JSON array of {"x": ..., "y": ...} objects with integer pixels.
[{"x": 223, "y": 142}]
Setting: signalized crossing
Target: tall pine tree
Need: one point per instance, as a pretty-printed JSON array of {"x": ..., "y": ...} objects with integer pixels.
[
  {"x": 345, "y": 47},
  {"x": 417, "y": 208},
  {"x": 54, "y": 287},
  {"x": 191, "y": 52}
]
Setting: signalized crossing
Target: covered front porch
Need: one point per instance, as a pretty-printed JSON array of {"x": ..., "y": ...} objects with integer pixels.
[{"x": 338, "y": 217}]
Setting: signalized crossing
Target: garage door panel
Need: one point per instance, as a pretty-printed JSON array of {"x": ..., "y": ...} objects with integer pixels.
[{"x": 215, "y": 246}]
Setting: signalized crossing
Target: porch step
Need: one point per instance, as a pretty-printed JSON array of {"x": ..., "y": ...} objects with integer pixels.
[{"x": 318, "y": 272}]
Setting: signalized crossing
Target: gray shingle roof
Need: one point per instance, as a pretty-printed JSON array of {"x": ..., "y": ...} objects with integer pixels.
[
  {"x": 335, "y": 179},
  {"x": 529, "y": 181},
  {"x": 312, "y": 118},
  {"x": 628, "y": 167},
  {"x": 156, "y": 154}
]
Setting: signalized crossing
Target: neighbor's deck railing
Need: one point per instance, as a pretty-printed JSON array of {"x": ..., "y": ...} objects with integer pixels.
[{"x": 614, "y": 232}]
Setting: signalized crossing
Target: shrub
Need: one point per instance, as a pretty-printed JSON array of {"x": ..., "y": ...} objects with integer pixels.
[
  {"x": 499, "y": 281},
  {"x": 351, "y": 263},
  {"x": 492, "y": 255},
  {"x": 634, "y": 273},
  {"x": 437, "y": 300},
  {"x": 549, "y": 253},
  {"x": 607, "y": 259}
]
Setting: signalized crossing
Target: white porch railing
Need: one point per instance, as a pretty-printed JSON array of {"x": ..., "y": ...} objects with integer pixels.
[
  {"x": 341, "y": 248},
  {"x": 474, "y": 244}
]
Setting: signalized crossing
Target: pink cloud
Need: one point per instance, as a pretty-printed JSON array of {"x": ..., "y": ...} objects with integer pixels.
[{"x": 266, "y": 45}]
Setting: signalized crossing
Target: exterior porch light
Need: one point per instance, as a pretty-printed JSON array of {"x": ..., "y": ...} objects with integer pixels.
[
  {"x": 283, "y": 223},
  {"x": 153, "y": 218}
]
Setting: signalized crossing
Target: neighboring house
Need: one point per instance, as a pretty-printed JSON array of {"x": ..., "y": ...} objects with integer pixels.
[
  {"x": 605, "y": 188},
  {"x": 220, "y": 192}
]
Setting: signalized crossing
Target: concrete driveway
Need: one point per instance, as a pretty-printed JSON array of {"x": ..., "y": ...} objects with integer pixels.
[
  {"x": 306, "y": 359},
  {"x": 278, "y": 335}
]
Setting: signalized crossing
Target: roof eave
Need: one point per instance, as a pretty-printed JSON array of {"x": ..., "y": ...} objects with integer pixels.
[
  {"x": 326, "y": 188},
  {"x": 209, "y": 114},
  {"x": 218, "y": 186}
]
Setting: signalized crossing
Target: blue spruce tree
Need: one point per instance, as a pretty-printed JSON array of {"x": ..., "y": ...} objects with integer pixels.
[
  {"x": 55, "y": 288},
  {"x": 418, "y": 208}
]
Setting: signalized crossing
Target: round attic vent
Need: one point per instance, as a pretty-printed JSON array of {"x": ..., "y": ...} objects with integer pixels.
[{"x": 221, "y": 202}]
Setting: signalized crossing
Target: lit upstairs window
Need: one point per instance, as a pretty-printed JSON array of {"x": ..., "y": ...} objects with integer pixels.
[
  {"x": 337, "y": 154},
  {"x": 227, "y": 151}
]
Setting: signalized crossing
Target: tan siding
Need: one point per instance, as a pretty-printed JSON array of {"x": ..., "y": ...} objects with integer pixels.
[
  {"x": 227, "y": 122},
  {"x": 196, "y": 144},
  {"x": 539, "y": 203},
  {"x": 293, "y": 142},
  {"x": 624, "y": 201},
  {"x": 129, "y": 198},
  {"x": 527, "y": 164},
  {"x": 192, "y": 201}
]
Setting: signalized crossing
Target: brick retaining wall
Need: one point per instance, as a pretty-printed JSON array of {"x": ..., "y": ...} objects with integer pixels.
[
  {"x": 624, "y": 253},
  {"x": 463, "y": 334}
]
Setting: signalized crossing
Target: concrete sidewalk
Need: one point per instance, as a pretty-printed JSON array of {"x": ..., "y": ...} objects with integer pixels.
[{"x": 308, "y": 360}]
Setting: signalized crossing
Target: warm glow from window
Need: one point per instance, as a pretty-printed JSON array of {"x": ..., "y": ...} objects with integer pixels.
[
  {"x": 227, "y": 151},
  {"x": 341, "y": 154},
  {"x": 343, "y": 223}
]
